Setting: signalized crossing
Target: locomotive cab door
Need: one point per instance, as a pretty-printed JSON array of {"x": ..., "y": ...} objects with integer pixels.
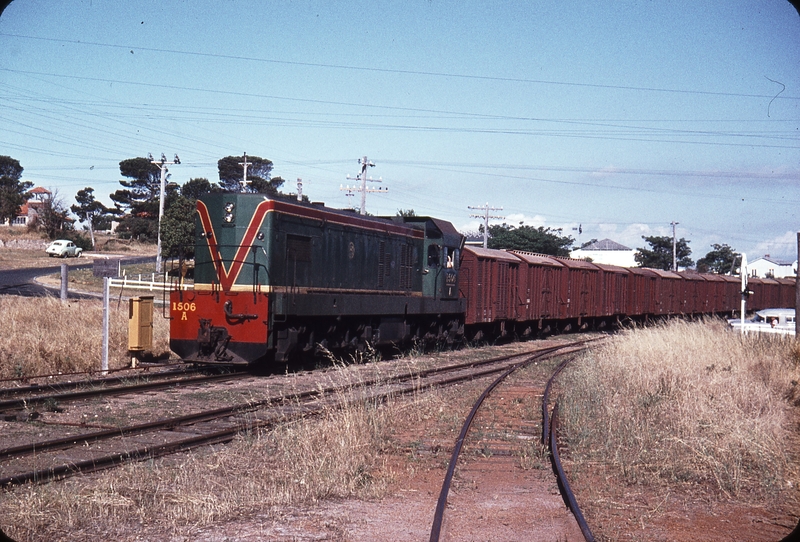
[{"x": 440, "y": 272}]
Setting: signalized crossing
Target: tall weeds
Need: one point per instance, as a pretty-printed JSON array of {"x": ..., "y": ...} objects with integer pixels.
[
  {"x": 42, "y": 335},
  {"x": 686, "y": 403}
]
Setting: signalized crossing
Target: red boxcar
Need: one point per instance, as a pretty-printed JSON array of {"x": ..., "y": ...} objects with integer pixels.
[
  {"x": 580, "y": 292},
  {"x": 641, "y": 292},
  {"x": 694, "y": 288},
  {"x": 538, "y": 284},
  {"x": 669, "y": 292},
  {"x": 614, "y": 289},
  {"x": 488, "y": 280}
]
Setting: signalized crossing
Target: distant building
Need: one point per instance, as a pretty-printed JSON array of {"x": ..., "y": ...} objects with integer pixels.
[
  {"x": 29, "y": 211},
  {"x": 607, "y": 252},
  {"x": 767, "y": 267}
]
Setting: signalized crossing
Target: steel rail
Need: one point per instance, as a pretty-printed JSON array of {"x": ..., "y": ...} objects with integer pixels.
[
  {"x": 144, "y": 367},
  {"x": 438, "y": 517},
  {"x": 171, "y": 423},
  {"x": 116, "y": 458},
  {"x": 77, "y": 384},
  {"x": 13, "y": 404},
  {"x": 563, "y": 483},
  {"x": 546, "y": 400}
]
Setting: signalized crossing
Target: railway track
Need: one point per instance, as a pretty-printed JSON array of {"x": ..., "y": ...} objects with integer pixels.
[
  {"x": 25, "y": 397},
  {"x": 548, "y": 438},
  {"x": 43, "y": 460}
]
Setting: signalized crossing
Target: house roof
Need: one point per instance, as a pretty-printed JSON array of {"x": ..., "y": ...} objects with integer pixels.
[
  {"x": 770, "y": 260},
  {"x": 605, "y": 244}
]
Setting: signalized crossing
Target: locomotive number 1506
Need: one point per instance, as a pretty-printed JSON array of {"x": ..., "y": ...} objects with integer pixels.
[{"x": 178, "y": 306}]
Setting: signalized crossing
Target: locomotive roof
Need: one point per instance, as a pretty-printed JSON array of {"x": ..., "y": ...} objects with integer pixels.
[{"x": 434, "y": 228}]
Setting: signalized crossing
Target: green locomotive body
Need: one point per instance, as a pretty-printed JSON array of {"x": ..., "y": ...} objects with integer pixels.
[{"x": 274, "y": 278}]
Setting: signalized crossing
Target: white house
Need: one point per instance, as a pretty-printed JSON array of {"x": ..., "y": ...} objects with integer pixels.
[
  {"x": 607, "y": 252},
  {"x": 769, "y": 267}
]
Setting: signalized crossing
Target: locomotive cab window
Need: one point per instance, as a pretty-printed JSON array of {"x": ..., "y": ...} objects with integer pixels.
[
  {"x": 433, "y": 255},
  {"x": 451, "y": 256}
]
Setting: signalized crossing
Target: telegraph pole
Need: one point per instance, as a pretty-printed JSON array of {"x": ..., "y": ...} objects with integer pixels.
[
  {"x": 485, "y": 216},
  {"x": 244, "y": 180},
  {"x": 162, "y": 165},
  {"x": 797, "y": 293},
  {"x": 674, "y": 248},
  {"x": 363, "y": 188}
]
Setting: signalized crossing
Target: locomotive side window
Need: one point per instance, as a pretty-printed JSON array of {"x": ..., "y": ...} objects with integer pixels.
[
  {"x": 433, "y": 255},
  {"x": 298, "y": 248}
]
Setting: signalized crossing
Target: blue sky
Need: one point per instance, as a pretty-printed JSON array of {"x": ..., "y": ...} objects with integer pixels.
[{"x": 617, "y": 116}]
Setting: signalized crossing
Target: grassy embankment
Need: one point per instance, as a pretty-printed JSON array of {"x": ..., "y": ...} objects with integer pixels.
[{"x": 689, "y": 407}]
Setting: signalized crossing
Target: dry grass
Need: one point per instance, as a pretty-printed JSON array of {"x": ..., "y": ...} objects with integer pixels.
[
  {"x": 46, "y": 336},
  {"x": 340, "y": 454},
  {"x": 333, "y": 457},
  {"x": 687, "y": 404}
]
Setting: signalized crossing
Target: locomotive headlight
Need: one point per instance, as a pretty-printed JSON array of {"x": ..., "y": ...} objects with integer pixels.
[
  {"x": 260, "y": 236},
  {"x": 228, "y": 217}
]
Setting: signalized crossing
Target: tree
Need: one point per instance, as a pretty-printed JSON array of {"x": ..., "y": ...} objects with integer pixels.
[
  {"x": 406, "y": 213},
  {"x": 540, "y": 240},
  {"x": 659, "y": 256},
  {"x": 53, "y": 215},
  {"x": 194, "y": 188},
  {"x": 141, "y": 194},
  {"x": 140, "y": 198},
  {"x": 177, "y": 229},
  {"x": 720, "y": 260},
  {"x": 258, "y": 175},
  {"x": 12, "y": 190},
  {"x": 91, "y": 211}
]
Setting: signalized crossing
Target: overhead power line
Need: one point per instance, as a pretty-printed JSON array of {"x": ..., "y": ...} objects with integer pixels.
[{"x": 397, "y": 71}]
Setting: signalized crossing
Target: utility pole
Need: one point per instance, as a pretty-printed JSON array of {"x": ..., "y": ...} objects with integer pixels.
[
  {"x": 797, "y": 293},
  {"x": 244, "y": 180},
  {"x": 162, "y": 165},
  {"x": 485, "y": 216},
  {"x": 363, "y": 188},
  {"x": 674, "y": 248}
]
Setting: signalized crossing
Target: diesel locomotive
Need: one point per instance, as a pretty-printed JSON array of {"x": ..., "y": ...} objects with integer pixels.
[{"x": 275, "y": 278}]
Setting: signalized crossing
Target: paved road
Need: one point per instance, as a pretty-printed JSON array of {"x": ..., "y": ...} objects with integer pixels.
[{"x": 20, "y": 281}]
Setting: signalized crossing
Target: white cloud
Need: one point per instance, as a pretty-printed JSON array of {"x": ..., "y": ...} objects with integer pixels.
[{"x": 782, "y": 247}]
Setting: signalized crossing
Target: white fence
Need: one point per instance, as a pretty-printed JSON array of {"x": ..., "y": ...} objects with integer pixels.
[{"x": 154, "y": 284}]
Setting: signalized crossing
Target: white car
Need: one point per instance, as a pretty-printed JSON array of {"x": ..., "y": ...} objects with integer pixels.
[
  {"x": 776, "y": 321},
  {"x": 63, "y": 248}
]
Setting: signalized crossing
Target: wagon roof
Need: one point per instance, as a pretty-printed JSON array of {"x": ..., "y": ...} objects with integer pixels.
[
  {"x": 612, "y": 268},
  {"x": 536, "y": 259},
  {"x": 666, "y": 274},
  {"x": 494, "y": 254},
  {"x": 577, "y": 264}
]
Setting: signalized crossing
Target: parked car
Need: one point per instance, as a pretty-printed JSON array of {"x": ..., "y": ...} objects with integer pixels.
[
  {"x": 777, "y": 321},
  {"x": 63, "y": 248}
]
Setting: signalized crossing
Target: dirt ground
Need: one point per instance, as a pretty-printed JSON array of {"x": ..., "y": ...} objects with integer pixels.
[{"x": 501, "y": 494}]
